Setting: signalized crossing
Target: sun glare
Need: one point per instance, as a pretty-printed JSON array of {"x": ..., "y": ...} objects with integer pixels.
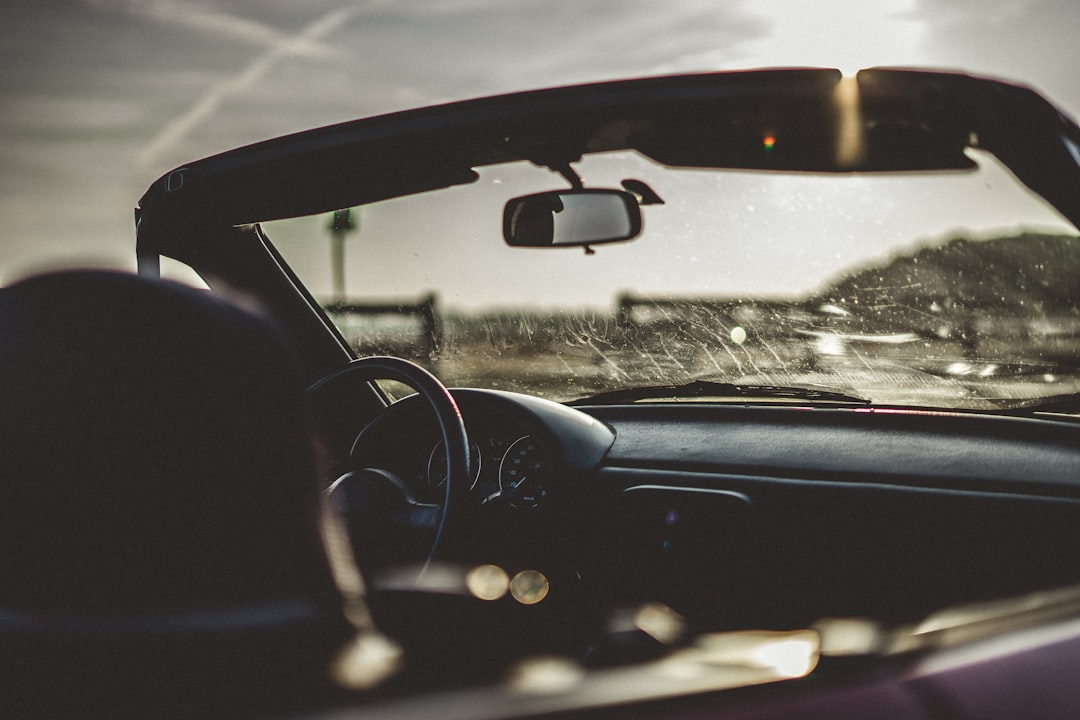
[{"x": 850, "y": 142}]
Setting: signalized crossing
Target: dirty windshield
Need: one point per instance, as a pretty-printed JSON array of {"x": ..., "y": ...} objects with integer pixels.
[{"x": 951, "y": 289}]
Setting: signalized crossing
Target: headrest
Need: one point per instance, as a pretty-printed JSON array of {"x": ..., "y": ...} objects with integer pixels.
[{"x": 156, "y": 470}]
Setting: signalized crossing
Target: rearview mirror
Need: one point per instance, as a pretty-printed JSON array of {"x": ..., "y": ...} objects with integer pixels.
[{"x": 571, "y": 218}]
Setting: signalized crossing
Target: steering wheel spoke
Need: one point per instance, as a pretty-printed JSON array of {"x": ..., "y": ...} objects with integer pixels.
[{"x": 424, "y": 516}]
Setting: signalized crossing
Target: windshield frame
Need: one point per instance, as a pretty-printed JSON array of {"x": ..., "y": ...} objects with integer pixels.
[{"x": 388, "y": 156}]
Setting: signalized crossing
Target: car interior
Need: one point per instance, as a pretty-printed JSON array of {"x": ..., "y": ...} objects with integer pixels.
[{"x": 223, "y": 509}]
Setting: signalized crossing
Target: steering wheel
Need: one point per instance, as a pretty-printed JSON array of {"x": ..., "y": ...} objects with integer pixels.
[{"x": 374, "y": 501}]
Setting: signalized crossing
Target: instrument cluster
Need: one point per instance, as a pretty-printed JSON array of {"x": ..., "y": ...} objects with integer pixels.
[
  {"x": 507, "y": 469},
  {"x": 511, "y": 466}
]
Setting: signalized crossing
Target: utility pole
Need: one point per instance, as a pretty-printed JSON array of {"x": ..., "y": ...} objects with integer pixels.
[{"x": 340, "y": 225}]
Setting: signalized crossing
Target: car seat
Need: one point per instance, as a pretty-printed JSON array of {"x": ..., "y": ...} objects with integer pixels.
[{"x": 162, "y": 536}]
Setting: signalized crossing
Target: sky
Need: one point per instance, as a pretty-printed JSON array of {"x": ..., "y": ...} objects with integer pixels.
[{"x": 100, "y": 97}]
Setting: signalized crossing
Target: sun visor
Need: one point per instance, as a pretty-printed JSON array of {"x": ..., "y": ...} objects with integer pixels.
[{"x": 838, "y": 130}]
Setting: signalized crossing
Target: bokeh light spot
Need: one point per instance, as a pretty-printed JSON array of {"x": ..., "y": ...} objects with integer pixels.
[{"x": 487, "y": 582}]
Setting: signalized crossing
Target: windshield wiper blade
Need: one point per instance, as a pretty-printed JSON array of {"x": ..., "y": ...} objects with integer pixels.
[{"x": 720, "y": 390}]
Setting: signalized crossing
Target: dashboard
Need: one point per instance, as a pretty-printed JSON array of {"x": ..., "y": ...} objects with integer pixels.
[{"x": 738, "y": 516}]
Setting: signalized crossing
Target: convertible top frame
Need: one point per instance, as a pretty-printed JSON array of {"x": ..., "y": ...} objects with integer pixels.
[
  {"x": 911, "y": 119},
  {"x": 903, "y": 120}
]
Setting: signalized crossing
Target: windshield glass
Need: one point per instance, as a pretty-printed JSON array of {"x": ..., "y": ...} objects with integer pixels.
[{"x": 951, "y": 289}]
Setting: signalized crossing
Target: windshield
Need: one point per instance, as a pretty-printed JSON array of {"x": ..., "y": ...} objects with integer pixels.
[{"x": 951, "y": 289}]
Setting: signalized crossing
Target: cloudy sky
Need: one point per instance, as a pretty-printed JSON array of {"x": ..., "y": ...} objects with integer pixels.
[{"x": 100, "y": 97}]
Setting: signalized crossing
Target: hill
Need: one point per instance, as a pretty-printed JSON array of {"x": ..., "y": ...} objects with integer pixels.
[{"x": 1026, "y": 276}]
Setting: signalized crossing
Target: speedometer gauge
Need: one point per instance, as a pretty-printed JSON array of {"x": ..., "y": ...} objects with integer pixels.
[
  {"x": 523, "y": 473},
  {"x": 436, "y": 468}
]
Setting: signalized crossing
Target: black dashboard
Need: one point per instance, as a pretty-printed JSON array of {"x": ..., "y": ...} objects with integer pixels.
[
  {"x": 799, "y": 514},
  {"x": 740, "y": 516}
]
